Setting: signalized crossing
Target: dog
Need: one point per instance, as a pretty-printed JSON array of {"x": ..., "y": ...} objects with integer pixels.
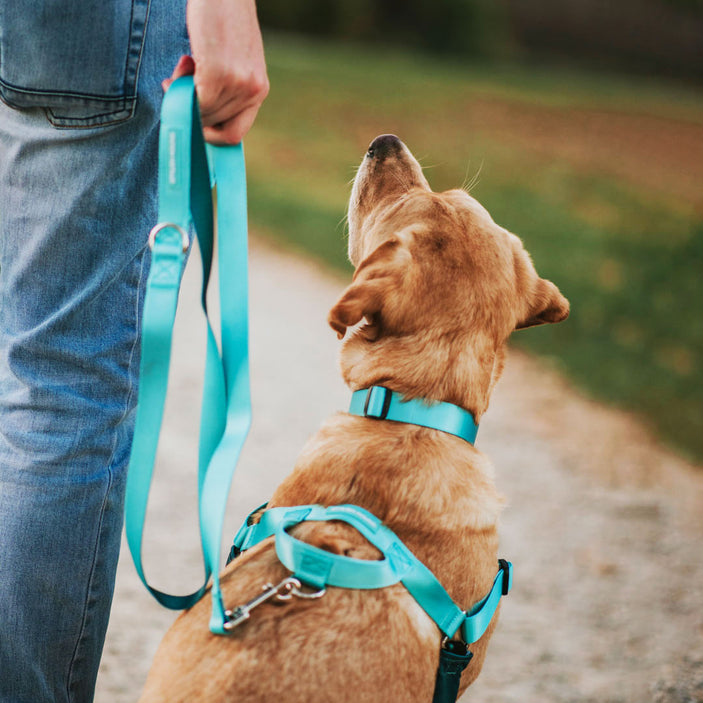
[{"x": 438, "y": 289}]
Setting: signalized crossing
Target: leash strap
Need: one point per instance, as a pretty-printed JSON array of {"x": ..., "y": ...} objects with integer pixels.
[
  {"x": 187, "y": 171},
  {"x": 319, "y": 568},
  {"x": 380, "y": 403}
]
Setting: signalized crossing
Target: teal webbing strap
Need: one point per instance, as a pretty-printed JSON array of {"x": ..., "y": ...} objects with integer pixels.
[
  {"x": 319, "y": 568},
  {"x": 186, "y": 172},
  {"x": 380, "y": 403}
]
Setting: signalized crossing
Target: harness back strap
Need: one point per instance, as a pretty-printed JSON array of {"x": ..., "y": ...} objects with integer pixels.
[{"x": 380, "y": 403}]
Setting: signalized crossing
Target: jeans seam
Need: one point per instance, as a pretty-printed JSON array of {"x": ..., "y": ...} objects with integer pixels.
[
  {"x": 87, "y": 97},
  {"x": 87, "y": 605},
  {"x": 138, "y": 65},
  {"x": 110, "y": 475},
  {"x": 93, "y": 121}
]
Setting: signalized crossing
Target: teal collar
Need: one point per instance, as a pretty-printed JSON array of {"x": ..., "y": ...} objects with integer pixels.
[{"x": 381, "y": 403}]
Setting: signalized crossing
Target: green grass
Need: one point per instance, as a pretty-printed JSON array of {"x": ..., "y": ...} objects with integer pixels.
[{"x": 629, "y": 260}]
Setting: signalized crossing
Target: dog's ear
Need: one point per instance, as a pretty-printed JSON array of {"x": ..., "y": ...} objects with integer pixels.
[
  {"x": 377, "y": 276},
  {"x": 547, "y": 305}
]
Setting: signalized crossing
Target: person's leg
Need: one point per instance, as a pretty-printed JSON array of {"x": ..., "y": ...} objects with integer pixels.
[{"x": 76, "y": 204}]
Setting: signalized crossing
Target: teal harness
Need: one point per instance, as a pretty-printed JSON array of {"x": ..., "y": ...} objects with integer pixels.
[
  {"x": 187, "y": 170},
  {"x": 318, "y": 568}
]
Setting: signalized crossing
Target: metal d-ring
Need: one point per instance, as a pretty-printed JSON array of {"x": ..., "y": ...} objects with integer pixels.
[
  {"x": 296, "y": 590},
  {"x": 185, "y": 239}
]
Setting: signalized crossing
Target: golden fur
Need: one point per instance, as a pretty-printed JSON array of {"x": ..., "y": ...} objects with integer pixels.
[{"x": 438, "y": 289}]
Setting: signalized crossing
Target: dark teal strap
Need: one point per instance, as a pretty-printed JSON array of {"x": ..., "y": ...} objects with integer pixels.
[
  {"x": 319, "y": 568},
  {"x": 380, "y": 403},
  {"x": 451, "y": 665},
  {"x": 184, "y": 200}
]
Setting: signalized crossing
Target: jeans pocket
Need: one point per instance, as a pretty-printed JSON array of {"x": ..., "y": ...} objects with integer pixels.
[{"x": 77, "y": 60}]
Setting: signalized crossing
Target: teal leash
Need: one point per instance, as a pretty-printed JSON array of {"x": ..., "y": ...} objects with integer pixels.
[{"x": 187, "y": 170}]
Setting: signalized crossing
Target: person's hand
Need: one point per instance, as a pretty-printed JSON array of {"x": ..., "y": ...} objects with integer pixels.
[{"x": 228, "y": 66}]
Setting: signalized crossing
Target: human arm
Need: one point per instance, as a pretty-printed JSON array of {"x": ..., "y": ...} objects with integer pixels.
[{"x": 227, "y": 64}]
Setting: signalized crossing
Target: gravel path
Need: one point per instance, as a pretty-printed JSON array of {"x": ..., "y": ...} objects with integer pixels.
[{"x": 603, "y": 526}]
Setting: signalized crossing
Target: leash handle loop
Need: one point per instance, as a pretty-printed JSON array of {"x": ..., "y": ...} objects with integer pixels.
[{"x": 188, "y": 168}]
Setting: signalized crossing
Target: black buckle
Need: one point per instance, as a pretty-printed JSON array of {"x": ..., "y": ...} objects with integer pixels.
[
  {"x": 505, "y": 567},
  {"x": 233, "y": 554},
  {"x": 457, "y": 647},
  {"x": 388, "y": 394}
]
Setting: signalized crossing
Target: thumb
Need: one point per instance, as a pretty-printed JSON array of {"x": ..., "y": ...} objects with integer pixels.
[{"x": 184, "y": 67}]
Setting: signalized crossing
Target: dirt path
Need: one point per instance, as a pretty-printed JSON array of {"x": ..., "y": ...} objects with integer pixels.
[{"x": 604, "y": 527}]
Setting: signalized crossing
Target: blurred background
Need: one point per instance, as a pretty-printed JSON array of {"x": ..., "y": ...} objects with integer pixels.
[{"x": 577, "y": 123}]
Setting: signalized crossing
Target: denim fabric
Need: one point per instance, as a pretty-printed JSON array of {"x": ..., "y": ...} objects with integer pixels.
[
  {"x": 46, "y": 47},
  {"x": 76, "y": 206}
]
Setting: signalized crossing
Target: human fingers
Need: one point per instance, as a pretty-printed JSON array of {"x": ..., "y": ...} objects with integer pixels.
[
  {"x": 184, "y": 67},
  {"x": 230, "y": 69},
  {"x": 233, "y": 130}
]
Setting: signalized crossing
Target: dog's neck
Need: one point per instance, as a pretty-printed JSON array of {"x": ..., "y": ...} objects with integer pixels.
[{"x": 426, "y": 365}]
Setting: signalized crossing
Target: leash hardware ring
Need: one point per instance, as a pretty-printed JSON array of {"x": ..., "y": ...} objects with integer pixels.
[
  {"x": 185, "y": 239},
  {"x": 313, "y": 595}
]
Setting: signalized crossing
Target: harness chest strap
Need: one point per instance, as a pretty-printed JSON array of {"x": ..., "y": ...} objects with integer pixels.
[{"x": 319, "y": 568}]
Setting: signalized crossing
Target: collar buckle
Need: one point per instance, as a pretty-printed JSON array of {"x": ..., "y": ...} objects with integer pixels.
[
  {"x": 507, "y": 568},
  {"x": 378, "y": 401}
]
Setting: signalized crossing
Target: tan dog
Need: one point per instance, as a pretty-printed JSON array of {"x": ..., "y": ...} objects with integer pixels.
[{"x": 439, "y": 288}]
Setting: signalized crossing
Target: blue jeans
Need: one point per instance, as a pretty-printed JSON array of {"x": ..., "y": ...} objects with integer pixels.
[{"x": 80, "y": 85}]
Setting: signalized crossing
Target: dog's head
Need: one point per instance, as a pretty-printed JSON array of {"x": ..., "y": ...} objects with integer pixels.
[
  {"x": 434, "y": 266},
  {"x": 426, "y": 259}
]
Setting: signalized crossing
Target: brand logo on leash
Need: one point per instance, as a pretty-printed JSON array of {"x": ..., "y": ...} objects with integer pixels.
[{"x": 174, "y": 139}]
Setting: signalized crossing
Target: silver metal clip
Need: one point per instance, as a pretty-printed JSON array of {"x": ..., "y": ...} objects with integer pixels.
[{"x": 283, "y": 591}]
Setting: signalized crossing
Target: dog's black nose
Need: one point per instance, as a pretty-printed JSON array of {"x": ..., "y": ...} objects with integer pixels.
[{"x": 383, "y": 146}]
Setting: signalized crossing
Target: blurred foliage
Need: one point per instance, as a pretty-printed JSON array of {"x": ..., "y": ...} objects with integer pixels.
[
  {"x": 629, "y": 258},
  {"x": 644, "y": 36},
  {"x": 474, "y": 28},
  {"x": 695, "y": 6}
]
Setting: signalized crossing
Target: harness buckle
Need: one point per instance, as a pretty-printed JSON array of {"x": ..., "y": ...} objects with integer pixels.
[
  {"x": 507, "y": 568},
  {"x": 378, "y": 401},
  {"x": 455, "y": 646}
]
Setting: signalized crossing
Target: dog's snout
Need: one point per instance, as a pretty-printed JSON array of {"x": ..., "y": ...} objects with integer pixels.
[{"x": 384, "y": 146}]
